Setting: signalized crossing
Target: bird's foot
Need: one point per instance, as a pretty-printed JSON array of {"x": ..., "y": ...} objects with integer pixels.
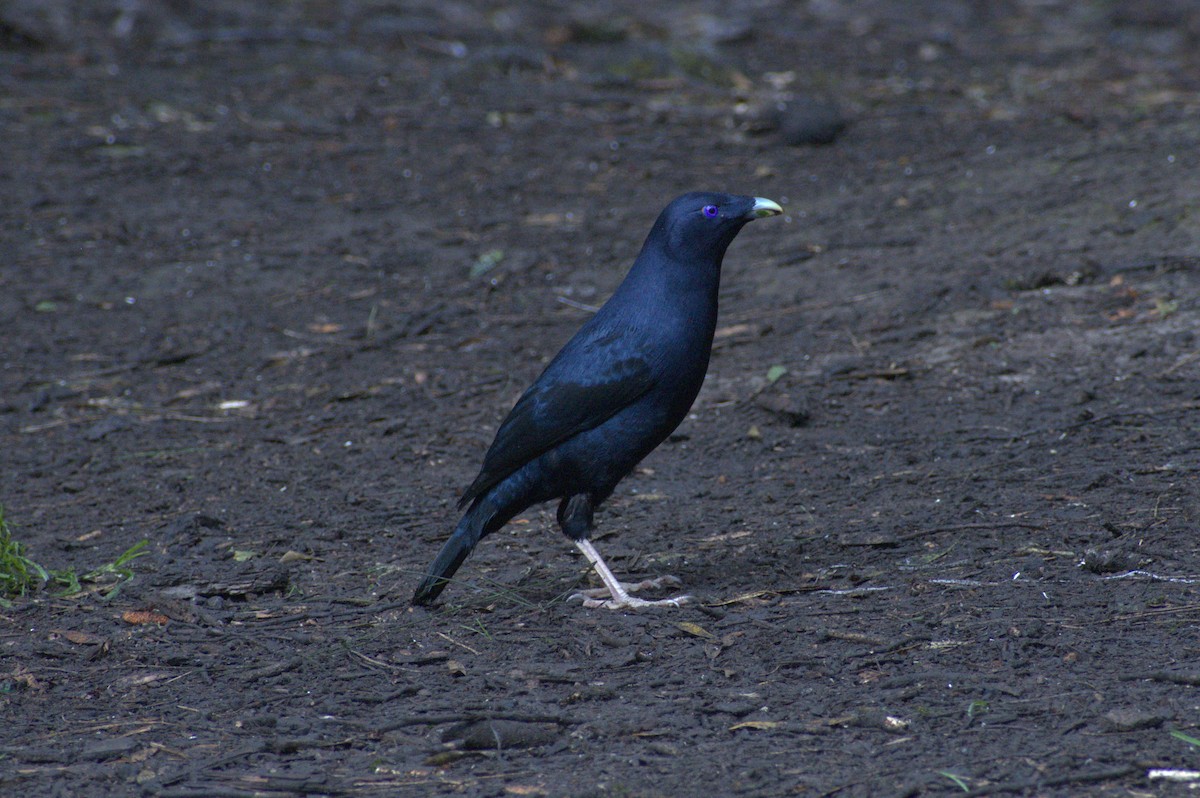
[
  {"x": 628, "y": 602},
  {"x": 608, "y": 599},
  {"x": 630, "y": 587},
  {"x": 615, "y": 594}
]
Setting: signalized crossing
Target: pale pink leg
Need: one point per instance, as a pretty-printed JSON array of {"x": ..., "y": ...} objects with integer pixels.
[{"x": 618, "y": 592}]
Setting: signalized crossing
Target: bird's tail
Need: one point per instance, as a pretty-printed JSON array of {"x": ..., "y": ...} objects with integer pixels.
[{"x": 468, "y": 532}]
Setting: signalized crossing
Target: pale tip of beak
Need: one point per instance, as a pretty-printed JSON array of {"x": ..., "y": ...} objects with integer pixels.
[{"x": 764, "y": 207}]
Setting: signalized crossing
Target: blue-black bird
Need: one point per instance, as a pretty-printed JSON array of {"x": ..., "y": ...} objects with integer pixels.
[{"x": 617, "y": 389}]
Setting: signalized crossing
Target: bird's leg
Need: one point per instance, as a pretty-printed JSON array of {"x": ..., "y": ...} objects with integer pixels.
[
  {"x": 620, "y": 598},
  {"x": 575, "y": 518}
]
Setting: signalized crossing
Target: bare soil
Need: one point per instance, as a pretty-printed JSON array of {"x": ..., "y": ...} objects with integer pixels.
[{"x": 272, "y": 274}]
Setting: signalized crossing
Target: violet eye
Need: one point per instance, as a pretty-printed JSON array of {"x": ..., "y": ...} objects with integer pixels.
[{"x": 711, "y": 211}]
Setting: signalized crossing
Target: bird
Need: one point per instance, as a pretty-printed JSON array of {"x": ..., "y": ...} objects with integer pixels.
[{"x": 612, "y": 394}]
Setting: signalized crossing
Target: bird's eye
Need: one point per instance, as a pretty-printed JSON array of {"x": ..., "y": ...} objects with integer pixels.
[{"x": 711, "y": 211}]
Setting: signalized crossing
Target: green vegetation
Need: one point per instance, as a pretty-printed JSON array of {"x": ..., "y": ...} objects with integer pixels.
[
  {"x": 19, "y": 574},
  {"x": 977, "y": 707},
  {"x": 1187, "y": 738},
  {"x": 959, "y": 780}
]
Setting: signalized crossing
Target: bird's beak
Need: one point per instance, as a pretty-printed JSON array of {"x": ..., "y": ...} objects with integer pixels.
[{"x": 763, "y": 208}]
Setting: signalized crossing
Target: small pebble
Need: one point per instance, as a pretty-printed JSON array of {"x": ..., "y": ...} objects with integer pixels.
[{"x": 809, "y": 121}]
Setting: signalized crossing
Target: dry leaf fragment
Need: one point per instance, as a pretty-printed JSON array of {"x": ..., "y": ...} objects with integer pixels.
[
  {"x": 733, "y": 329},
  {"x": 24, "y": 677},
  {"x": 1122, "y": 314},
  {"x": 141, "y": 617},
  {"x": 139, "y": 679},
  {"x": 544, "y": 219},
  {"x": 755, "y": 724},
  {"x": 696, "y": 630},
  {"x": 444, "y": 758},
  {"x": 744, "y": 597}
]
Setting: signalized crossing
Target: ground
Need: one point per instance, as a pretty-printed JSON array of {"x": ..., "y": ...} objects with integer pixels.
[{"x": 273, "y": 273}]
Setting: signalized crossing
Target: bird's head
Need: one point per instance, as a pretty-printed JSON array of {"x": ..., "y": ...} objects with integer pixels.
[{"x": 702, "y": 224}]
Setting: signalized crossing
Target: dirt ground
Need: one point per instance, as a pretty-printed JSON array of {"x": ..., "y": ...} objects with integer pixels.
[{"x": 273, "y": 273}]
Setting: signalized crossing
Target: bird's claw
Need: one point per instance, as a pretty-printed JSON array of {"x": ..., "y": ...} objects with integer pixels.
[
  {"x": 603, "y": 598},
  {"x": 634, "y": 603},
  {"x": 659, "y": 583},
  {"x": 631, "y": 602}
]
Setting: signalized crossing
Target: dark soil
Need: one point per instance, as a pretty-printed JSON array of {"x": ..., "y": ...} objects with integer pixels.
[{"x": 272, "y": 274}]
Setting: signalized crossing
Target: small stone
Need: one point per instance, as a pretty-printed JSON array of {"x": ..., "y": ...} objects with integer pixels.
[
  {"x": 1132, "y": 719},
  {"x": 109, "y": 748},
  {"x": 499, "y": 734},
  {"x": 105, "y": 427},
  {"x": 790, "y": 409},
  {"x": 809, "y": 122},
  {"x": 1103, "y": 562}
]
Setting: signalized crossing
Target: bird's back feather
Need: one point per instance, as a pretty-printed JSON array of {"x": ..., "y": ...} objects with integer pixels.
[{"x": 592, "y": 379}]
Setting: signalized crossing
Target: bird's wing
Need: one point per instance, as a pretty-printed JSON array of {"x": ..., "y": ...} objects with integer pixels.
[{"x": 587, "y": 383}]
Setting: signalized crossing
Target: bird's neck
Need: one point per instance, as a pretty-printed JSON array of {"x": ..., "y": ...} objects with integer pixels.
[{"x": 676, "y": 293}]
